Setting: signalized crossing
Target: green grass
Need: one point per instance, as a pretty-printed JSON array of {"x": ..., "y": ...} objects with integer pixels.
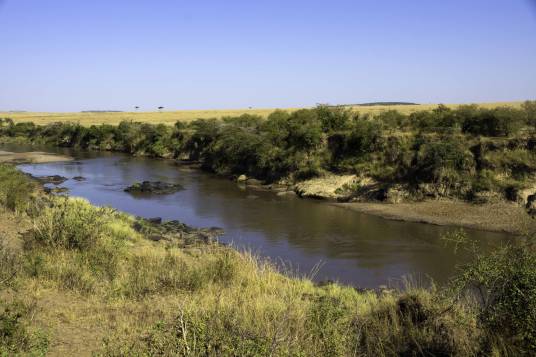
[{"x": 15, "y": 190}]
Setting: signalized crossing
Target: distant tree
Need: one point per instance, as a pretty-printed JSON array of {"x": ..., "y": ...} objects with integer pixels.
[
  {"x": 530, "y": 109},
  {"x": 136, "y": 107},
  {"x": 332, "y": 119},
  {"x": 160, "y": 108},
  {"x": 500, "y": 121}
]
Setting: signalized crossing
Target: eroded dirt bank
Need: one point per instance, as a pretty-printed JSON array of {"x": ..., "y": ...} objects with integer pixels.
[
  {"x": 500, "y": 217},
  {"x": 31, "y": 157}
]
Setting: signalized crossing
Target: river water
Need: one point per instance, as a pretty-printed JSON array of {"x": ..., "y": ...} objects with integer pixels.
[{"x": 305, "y": 237}]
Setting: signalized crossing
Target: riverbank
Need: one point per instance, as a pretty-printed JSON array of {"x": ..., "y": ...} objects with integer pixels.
[
  {"x": 479, "y": 154},
  {"x": 502, "y": 216},
  {"x": 31, "y": 157},
  {"x": 496, "y": 217}
]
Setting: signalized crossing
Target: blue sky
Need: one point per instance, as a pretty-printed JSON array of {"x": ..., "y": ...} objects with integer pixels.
[{"x": 65, "y": 55}]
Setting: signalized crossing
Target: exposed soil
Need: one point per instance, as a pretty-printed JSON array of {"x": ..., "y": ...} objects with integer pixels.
[
  {"x": 32, "y": 157},
  {"x": 499, "y": 217}
]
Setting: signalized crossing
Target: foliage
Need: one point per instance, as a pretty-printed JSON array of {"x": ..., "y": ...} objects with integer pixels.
[
  {"x": 15, "y": 191},
  {"x": 9, "y": 265},
  {"x": 434, "y": 157},
  {"x": 149, "y": 274},
  {"x": 502, "y": 121},
  {"x": 530, "y": 108},
  {"x": 503, "y": 285},
  {"x": 418, "y": 323},
  {"x": 15, "y": 337},
  {"x": 447, "y": 148},
  {"x": 71, "y": 223}
]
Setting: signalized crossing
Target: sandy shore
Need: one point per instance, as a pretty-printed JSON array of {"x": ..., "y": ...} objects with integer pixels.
[
  {"x": 499, "y": 217},
  {"x": 32, "y": 157}
]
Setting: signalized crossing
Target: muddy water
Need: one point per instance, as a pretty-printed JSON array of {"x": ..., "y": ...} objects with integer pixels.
[{"x": 301, "y": 235}]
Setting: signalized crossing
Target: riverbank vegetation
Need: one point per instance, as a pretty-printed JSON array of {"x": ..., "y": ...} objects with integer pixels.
[
  {"x": 84, "y": 279},
  {"x": 473, "y": 153}
]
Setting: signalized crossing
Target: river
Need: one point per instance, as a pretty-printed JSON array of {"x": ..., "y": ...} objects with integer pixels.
[{"x": 304, "y": 237}]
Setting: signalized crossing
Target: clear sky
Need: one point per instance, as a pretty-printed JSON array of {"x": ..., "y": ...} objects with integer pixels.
[{"x": 71, "y": 55}]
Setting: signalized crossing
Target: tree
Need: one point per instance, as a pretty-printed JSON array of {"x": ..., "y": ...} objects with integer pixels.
[{"x": 530, "y": 109}]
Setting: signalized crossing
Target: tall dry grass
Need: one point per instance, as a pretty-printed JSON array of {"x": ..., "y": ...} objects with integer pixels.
[{"x": 171, "y": 117}]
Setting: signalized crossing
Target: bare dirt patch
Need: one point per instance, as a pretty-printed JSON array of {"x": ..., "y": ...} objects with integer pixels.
[
  {"x": 500, "y": 217},
  {"x": 32, "y": 157}
]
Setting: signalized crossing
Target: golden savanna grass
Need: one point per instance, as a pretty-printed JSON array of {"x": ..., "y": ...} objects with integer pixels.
[{"x": 170, "y": 117}]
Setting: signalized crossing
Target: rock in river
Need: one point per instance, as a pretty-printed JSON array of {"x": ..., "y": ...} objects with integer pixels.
[
  {"x": 56, "y": 190},
  {"x": 54, "y": 179},
  {"x": 174, "y": 231},
  {"x": 156, "y": 187},
  {"x": 154, "y": 220}
]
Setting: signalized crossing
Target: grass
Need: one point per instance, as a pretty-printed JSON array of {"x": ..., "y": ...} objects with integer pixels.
[
  {"x": 114, "y": 118},
  {"x": 86, "y": 281},
  {"x": 170, "y": 117}
]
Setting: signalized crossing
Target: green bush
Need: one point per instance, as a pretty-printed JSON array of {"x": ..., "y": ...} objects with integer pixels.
[
  {"x": 503, "y": 121},
  {"x": 351, "y": 147},
  {"x": 485, "y": 181},
  {"x": 334, "y": 119},
  {"x": 9, "y": 265},
  {"x": 418, "y": 324},
  {"x": 304, "y": 131},
  {"x": 16, "y": 190},
  {"x": 517, "y": 163},
  {"x": 530, "y": 109},
  {"x": 84, "y": 245},
  {"x": 330, "y": 339},
  {"x": 435, "y": 158},
  {"x": 15, "y": 338},
  {"x": 423, "y": 120},
  {"x": 503, "y": 285},
  {"x": 70, "y": 223}
]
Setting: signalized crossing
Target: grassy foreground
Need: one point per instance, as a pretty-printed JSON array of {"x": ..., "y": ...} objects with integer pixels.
[
  {"x": 171, "y": 117},
  {"x": 78, "y": 280}
]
